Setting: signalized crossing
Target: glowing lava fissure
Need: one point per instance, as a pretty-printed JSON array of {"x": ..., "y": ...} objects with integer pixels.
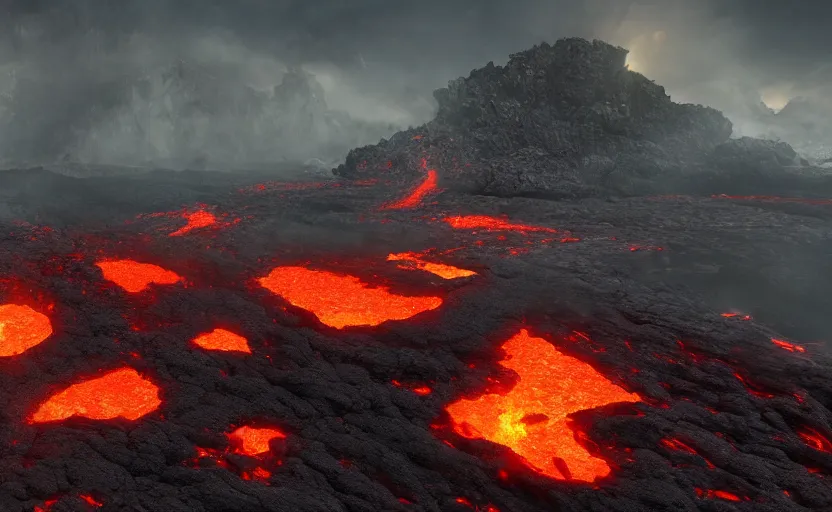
[
  {"x": 135, "y": 277},
  {"x": 487, "y": 223},
  {"x": 196, "y": 220},
  {"x": 438, "y": 269},
  {"x": 340, "y": 300},
  {"x": 815, "y": 439},
  {"x": 415, "y": 198},
  {"x": 223, "y": 341},
  {"x": 21, "y": 328},
  {"x": 122, "y": 393},
  {"x": 785, "y": 345},
  {"x": 532, "y": 418}
]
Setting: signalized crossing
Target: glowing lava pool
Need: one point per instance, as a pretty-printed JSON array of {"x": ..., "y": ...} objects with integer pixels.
[
  {"x": 122, "y": 393},
  {"x": 21, "y": 328},
  {"x": 341, "y": 300},
  {"x": 531, "y": 419}
]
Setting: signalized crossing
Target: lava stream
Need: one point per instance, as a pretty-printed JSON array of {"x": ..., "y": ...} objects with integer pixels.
[
  {"x": 437, "y": 269},
  {"x": 342, "y": 300},
  {"x": 196, "y": 220},
  {"x": 136, "y": 277},
  {"x": 531, "y": 419},
  {"x": 222, "y": 340},
  {"x": 21, "y": 328},
  {"x": 416, "y": 197},
  {"x": 712, "y": 493},
  {"x": 121, "y": 393},
  {"x": 492, "y": 224},
  {"x": 253, "y": 441},
  {"x": 785, "y": 345},
  {"x": 815, "y": 439}
]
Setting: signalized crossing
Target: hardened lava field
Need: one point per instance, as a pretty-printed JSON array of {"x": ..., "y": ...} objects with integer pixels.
[
  {"x": 463, "y": 366},
  {"x": 468, "y": 318}
]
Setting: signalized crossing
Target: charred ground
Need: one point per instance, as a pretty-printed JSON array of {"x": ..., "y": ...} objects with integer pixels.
[{"x": 710, "y": 308}]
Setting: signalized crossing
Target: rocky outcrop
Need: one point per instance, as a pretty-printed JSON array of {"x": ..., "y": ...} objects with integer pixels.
[{"x": 566, "y": 120}]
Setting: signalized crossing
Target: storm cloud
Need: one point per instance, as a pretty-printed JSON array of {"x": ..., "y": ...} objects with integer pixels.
[{"x": 380, "y": 60}]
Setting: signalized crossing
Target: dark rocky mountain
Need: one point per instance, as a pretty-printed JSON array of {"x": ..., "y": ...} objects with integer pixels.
[{"x": 570, "y": 120}]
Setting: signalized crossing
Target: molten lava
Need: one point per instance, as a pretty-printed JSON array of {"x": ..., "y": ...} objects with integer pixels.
[
  {"x": 438, "y": 269},
  {"x": 531, "y": 419},
  {"x": 253, "y": 441},
  {"x": 711, "y": 494},
  {"x": 416, "y": 197},
  {"x": 196, "y": 220},
  {"x": 21, "y": 328},
  {"x": 815, "y": 439},
  {"x": 671, "y": 443},
  {"x": 341, "y": 300},
  {"x": 785, "y": 345},
  {"x": 492, "y": 224},
  {"x": 136, "y": 277},
  {"x": 222, "y": 340},
  {"x": 119, "y": 394},
  {"x": 736, "y": 315}
]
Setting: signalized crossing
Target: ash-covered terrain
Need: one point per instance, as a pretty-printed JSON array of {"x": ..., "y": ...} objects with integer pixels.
[{"x": 564, "y": 293}]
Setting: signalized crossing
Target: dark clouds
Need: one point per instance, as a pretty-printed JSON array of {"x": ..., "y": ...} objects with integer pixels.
[
  {"x": 391, "y": 54},
  {"x": 776, "y": 40}
]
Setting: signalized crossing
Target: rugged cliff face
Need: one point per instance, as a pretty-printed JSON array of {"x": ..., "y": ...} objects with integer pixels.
[{"x": 570, "y": 120}]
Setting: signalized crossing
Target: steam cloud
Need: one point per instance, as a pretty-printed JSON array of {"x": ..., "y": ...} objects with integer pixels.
[{"x": 185, "y": 84}]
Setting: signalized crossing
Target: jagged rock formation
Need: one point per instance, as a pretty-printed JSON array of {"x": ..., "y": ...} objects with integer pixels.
[{"x": 568, "y": 120}]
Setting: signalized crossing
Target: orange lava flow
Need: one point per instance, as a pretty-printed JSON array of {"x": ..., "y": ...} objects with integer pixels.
[
  {"x": 711, "y": 494},
  {"x": 196, "y": 220},
  {"x": 531, "y": 419},
  {"x": 785, "y": 345},
  {"x": 815, "y": 439},
  {"x": 253, "y": 441},
  {"x": 736, "y": 315},
  {"x": 437, "y": 269},
  {"x": 21, "y": 328},
  {"x": 492, "y": 224},
  {"x": 119, "y": 394},
  {"x": 136, "y": 277},
  {"x": 341, "y": 300},
  {"x": 416, "y": 197},
  {"x": 222, "y": 340}
]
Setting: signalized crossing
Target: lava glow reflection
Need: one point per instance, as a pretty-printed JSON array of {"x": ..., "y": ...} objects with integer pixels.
[
  {"x": 135, "y": 277},
  {"x": 341, "y": 300},
  {"x": 121, "y": 393},
  {"x": 21, "y": 328},
  {"x": 531, "y": 419}
]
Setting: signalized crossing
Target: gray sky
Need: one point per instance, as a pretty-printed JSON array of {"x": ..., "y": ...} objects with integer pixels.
[{"x": 709, "y": 51}]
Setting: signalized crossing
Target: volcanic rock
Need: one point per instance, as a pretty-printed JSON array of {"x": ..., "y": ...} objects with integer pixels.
[{"x": 570, "y": 120}]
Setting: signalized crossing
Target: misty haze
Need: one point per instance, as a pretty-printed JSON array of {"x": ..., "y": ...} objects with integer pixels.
[{"x": 169, "y": 84}]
